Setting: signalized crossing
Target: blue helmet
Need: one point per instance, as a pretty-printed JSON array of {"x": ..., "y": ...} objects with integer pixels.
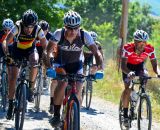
[
  {"x": 7, "y": 23},
  {"x": 72, "y": 19}
]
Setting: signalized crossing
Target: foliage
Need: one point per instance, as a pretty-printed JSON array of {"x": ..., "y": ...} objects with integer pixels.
[
  {"x": 45, "y": 9},
  {"x": 139, "y": 18},
  {"x": 155, "y": 39}
]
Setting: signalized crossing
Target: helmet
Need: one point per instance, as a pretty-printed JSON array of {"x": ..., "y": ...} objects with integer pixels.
[
  {"x": 44, "y": 25},
  {"x": 29, "y": 18},
  {"x": 93, "y": 35},
  {"x": 140, "y": 35},
  {"x": 72, "y": 19},
  {"x": 7, "y": 23}
]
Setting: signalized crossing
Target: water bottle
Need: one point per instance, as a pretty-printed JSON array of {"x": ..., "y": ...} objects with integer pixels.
[
  {"x": 51, "y": 73},
  {"x": 99, "y": 75}
]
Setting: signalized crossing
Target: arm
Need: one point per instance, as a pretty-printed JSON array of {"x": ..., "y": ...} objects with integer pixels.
[
  {"x": 6, "y": 42},
  {"x": 124, "y": 65},
  {"x": 43, "y": 42},
  {"x": 155, "y": 66},
  {"x": 97, "y": 54}
]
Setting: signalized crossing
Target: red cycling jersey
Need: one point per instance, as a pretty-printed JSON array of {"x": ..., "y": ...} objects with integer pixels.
[{"x": 134, "y": 58}]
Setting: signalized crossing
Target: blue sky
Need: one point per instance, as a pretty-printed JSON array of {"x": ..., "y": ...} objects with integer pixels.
[{"x": 155, "y": 4}]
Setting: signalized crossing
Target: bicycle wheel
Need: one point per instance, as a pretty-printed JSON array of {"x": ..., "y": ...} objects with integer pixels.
[
  {"x": 38, "y": 92},
  {"x": 20, "y": 107},
  {"x": 73, "y": 119},
  {"x": 88, "y": 94},
  {"x": 4, "y": 90},
  {"x": 83, "y": 93},
  {"x": 144, "y": 113}
]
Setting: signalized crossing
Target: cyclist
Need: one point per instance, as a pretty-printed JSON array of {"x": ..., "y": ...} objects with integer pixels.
[
  {"x": 26, "y": 31},
  {"x": 88, "y": 55},
  {"x": 45, "y": 26},
  {"x": 134, "y": 56},
  {"x": 7, "y": 26},
  {"x": 69, "y": 43}
]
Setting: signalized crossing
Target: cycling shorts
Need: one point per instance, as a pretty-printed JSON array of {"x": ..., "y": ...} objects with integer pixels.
[{"x": 139, "y": 70}]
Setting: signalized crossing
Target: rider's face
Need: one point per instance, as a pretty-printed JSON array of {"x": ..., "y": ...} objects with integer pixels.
[
  {"x": 140, "y": 45},
  {"x": 72, "y": 32},
  {"x": 6, "y": 30},
  {"x": 28, "y": 30}
]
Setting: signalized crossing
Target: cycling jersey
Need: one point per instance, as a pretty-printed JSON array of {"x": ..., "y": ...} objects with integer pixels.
[
  {"x": 48, "y": 36},
  {"x": 70, "y": 53},
  {"x": 133, "y": 58},
  {"x": 26, "y": 41},
  {"x": 39, "y": 45}
]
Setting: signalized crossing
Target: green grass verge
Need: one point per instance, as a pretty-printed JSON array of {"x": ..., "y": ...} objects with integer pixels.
[{"x": 111, "y": 87}]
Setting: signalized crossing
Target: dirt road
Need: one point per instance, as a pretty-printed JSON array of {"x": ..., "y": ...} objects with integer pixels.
[{"x": 102, "y": 116}]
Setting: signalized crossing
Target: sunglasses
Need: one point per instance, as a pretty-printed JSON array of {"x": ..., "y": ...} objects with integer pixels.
[
  {"x": 6, "y": 30},
  {"x": 69, "y": 28},
  {"x": 29, "y": 26}
]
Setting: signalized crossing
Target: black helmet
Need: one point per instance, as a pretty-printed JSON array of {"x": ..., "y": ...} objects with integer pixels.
[
  {"x": 29, "y": 18},
  {"x": 44, "y": 25}
]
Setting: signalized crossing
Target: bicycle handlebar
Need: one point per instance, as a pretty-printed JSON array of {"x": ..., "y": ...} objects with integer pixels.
[{"x": 138, "y": 79}]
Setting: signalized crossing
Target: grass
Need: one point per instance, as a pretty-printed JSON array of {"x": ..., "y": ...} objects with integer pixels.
[{"x": 111, "y": 87}]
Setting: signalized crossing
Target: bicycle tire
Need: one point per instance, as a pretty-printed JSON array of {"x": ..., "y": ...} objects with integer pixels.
[
  {"x": 38, "y": 93},
  {"x": 144, "y": 98},
  {"x": 20, "y": 107},
  {"x": 73, "y": 119},
  {"x": 83, "y": 93},
  {"x": 4, "y": 90},
  {"x": 88, "y": 94}
]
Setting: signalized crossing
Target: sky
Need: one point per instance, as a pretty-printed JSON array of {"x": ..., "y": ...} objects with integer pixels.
[{"x": 155, "y": 5}]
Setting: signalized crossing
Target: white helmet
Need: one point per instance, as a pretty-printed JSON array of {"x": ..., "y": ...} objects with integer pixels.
[
  {"x": 93, "y": 35},
  {"x": 72, "y": 19},
  {"x": 7, "y": 23},
  {"x": 140, "y": 35}
]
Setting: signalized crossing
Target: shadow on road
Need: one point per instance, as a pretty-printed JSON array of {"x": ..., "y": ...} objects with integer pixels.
[
  {"x": 90, "y": 111},
  {"x": 37, "y": 115}
]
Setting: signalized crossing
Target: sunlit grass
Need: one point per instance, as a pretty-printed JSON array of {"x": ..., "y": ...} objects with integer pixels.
[{"x": 111, "y": 87}]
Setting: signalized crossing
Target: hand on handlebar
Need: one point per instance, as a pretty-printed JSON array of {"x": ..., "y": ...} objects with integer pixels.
[
  {"x": 9, "y": 59},
  {"x": 131, "y": 75}
]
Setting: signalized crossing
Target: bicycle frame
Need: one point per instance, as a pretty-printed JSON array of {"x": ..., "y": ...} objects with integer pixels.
[
  {"x": 21, "y": 95},
  {"x": 141, "y": 81}
]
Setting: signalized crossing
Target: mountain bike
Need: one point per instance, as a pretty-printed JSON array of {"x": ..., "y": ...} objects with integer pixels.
[
  {"x": 20, "y": 104},
  {"x": 88, "y": 87},
  {"x": 38, "y": 87},
  {"x": 3, "y": 86},
  {"x": 71, "y": 107},
  {"x": 139, "y": 109}
]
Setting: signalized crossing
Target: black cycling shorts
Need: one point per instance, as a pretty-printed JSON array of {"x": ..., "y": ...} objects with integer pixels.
[{"x": 139, "y": 69}]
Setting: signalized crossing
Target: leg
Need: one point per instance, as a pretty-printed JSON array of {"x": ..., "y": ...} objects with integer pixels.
[
  {"x": 58, "y": 100},
  {"x": 79, "y": 92},
  {"x": 33, "y": 59},
  {"x": 125, "y": 103},
  {"x": 12, "y": 78},
  {"x": 52, "y": 90}
]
